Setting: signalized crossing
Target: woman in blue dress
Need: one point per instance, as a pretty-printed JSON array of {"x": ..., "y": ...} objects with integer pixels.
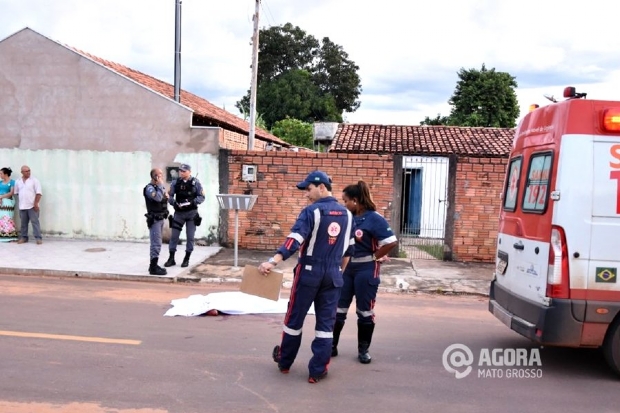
[
  {"x": 374, "y": 239},
  {"x": 7, "y": 206}
]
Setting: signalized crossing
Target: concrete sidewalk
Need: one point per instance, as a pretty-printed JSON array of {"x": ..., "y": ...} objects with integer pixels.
[
  {"x": 93, "y": 259},
  {"x": 129, "y": 260}
]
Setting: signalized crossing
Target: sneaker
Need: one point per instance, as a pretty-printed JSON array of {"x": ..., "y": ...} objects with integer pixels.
[
  {"x": 318, "y": 378},
  {"x": 275, "y": 354},
  {"x": 39, "y": 242},
  {"x": 22, "y": 241}
]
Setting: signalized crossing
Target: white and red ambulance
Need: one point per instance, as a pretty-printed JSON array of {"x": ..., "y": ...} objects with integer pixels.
[{"x": 558, "y": 247}]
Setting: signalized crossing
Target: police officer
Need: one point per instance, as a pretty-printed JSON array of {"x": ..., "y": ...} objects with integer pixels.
[
  {"x": 374, "y": 239},
  {"x": 185, "y": 195},
  {"x": 156, "y": 211},
  {"x": 324, "y": 234}
]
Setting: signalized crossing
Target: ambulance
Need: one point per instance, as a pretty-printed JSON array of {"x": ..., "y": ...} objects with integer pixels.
[{"x": 558, "y": 244}]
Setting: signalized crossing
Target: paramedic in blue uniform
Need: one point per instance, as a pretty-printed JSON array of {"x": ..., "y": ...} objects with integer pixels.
[
  {"x": 185, "y": 195},
  {"x": 374, "y": 239},
  {"x": 323, "y": 234},
  {"x": 156, "y": 199}
]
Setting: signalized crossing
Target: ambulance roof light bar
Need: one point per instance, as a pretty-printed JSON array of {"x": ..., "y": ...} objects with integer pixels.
[{"x": 571, "y": 93}]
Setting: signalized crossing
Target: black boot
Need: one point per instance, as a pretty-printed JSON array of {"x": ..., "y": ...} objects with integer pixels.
[
  {"x": 337, "y": 329},
  {"x": 171, "y": 260},
  {"x": 155, "y": 269},
  {"x": 186, "y": 259},
  {"x": 364, "y": 337}
]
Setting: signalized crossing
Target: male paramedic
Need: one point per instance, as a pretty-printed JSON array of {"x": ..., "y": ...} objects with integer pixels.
[{"x": 323, "y": 234}]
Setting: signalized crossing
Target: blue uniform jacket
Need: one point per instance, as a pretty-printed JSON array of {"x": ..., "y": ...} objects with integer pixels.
[{"x": 323, "y": 234}]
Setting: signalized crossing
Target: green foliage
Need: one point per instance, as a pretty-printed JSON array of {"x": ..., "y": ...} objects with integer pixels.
[
  {"x": 302, "y": 78},
  {"x": 259, "y": 121},
  {"x": 293, "y": 94},
  {"x": 294, "y": 131},
  {"x": 483, "y": 98},
  {"x": 439, "y": 120}
]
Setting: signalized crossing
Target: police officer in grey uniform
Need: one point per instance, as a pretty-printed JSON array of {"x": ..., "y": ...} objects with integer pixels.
[
  {"x": 156, "y": 199},
  {"x": 185, "y": 195}
]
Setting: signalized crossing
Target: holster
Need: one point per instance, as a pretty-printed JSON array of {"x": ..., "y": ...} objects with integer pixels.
[
  {"x": 170, "y": 220},
  {"x": 149, "y": 220},
  {"x": 197, "y": 220}
]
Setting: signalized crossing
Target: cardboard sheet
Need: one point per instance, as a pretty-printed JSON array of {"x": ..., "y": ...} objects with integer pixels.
[{"x": 255, "y": 283}]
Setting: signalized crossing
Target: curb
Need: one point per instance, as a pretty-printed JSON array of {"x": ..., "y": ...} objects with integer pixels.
[{"x": 208, "y": 280}]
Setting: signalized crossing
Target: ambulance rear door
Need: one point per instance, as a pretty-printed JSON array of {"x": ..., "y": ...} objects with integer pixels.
[{"x": 525, "y": 223}]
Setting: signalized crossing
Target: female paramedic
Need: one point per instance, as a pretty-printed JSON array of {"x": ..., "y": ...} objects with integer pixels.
[{"x": 373, "y": 241}]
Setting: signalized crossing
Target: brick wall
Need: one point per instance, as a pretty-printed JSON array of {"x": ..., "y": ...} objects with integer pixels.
[
  {"x": 234, "y": 140},
  {"x": 279, "y": 201},
  {"x": 479, "y": 183}
]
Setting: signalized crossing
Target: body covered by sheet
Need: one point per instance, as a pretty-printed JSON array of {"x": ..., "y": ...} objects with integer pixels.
[{"x": 234, "y": 303}]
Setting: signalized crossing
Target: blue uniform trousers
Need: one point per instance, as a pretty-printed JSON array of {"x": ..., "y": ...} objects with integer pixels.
[
  {"x": 155, "y": 237},
  {"x": 181, "y": 218},
  {"x": 307, "y": 288},
  {"x": 362, "y": 281}
]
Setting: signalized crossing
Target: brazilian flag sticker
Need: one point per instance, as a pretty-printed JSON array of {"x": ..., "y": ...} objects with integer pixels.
[{"x": 606, "y": 275}]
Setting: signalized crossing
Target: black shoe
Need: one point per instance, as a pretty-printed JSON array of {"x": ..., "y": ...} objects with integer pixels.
[
  {"x": 318, "y": 378},
  {"x": 170, "y": 261},
  {"x": 275, "y": 354},
  {"x": 186, "y": 259},
  {"x": 334, "y": 351},
  {"x": 157, "y": 271},
  {"x": 364, "y": 357}
]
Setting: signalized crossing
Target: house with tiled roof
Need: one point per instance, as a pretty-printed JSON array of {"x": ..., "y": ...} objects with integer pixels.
[
  {"x": 447, "y": 183},
  {"x": 423, "y": 140},
  {"x": 205, "y": 113},
  {"x": 91, "y": 130}
]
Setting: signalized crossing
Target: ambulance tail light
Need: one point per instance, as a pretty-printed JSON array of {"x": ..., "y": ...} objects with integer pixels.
[
  {"x": 557, "y": 277},
  {"x": 611, "y": 120}
]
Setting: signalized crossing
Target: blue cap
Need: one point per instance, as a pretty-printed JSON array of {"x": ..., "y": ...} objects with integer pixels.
[
  {"x": 185, "y": 167},
  {"x": 316, "y": 177}
]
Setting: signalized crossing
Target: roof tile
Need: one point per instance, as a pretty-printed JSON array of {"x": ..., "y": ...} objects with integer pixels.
[
  {"x": 423, "y": 140},
  {"x": 200, "y": 106}
]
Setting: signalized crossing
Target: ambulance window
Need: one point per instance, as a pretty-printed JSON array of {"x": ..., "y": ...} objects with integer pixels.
[
  {"x": 512, "y": 185},
  {"x": 537, "y": 184}
]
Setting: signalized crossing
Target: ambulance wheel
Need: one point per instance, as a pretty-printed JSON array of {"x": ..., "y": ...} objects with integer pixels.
[{"x": 611, "y": 346}]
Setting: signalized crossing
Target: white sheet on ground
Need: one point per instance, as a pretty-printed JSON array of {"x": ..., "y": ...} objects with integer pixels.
[{"x": 234, "y": 302}]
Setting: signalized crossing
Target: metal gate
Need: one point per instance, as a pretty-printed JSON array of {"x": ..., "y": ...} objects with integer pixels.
[{"x": 424, "y": 204}]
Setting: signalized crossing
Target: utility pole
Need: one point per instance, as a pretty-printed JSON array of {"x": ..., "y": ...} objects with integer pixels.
[
  {"x": 177, "y": 50},
  {"x": 254, "y": 79}
]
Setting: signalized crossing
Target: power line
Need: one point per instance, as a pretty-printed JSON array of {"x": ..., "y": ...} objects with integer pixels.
[{"x": 273, "y": 21}]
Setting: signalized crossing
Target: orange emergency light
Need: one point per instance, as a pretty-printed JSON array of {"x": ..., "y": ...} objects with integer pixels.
[
  {"x": 611, "y": 120},
  {"x": 533, "y": 107}
]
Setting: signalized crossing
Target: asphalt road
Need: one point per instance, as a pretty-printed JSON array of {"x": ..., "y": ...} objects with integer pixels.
[{"x": 94, "y": 346}]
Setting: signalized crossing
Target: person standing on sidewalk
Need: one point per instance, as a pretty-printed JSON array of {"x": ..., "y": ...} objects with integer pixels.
[
  {"x": 323, "y": 234},
  {"x": 29, "y": 193},
  {"x": 156, "y": 199},
  {"x": 185, "y": 195},
  {"x": 374, "y": 239}
]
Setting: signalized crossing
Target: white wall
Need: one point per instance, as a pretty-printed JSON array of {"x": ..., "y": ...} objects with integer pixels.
[{"x": 98, "y": 195}]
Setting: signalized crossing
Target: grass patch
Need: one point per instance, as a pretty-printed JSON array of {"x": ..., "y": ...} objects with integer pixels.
[{"x": 436, "y": 250}]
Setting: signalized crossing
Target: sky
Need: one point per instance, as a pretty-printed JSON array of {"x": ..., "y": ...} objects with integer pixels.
[{"x": 408, "y": 52}]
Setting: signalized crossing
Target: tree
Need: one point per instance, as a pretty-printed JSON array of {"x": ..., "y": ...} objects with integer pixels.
[
  {"x": 315, "y": 81},
  {"x": 294, "y": 131},
  {"x": 482, "y": 98},
  {"x": 293, "y": 94},
  {"x": 439, "y": 120}
]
